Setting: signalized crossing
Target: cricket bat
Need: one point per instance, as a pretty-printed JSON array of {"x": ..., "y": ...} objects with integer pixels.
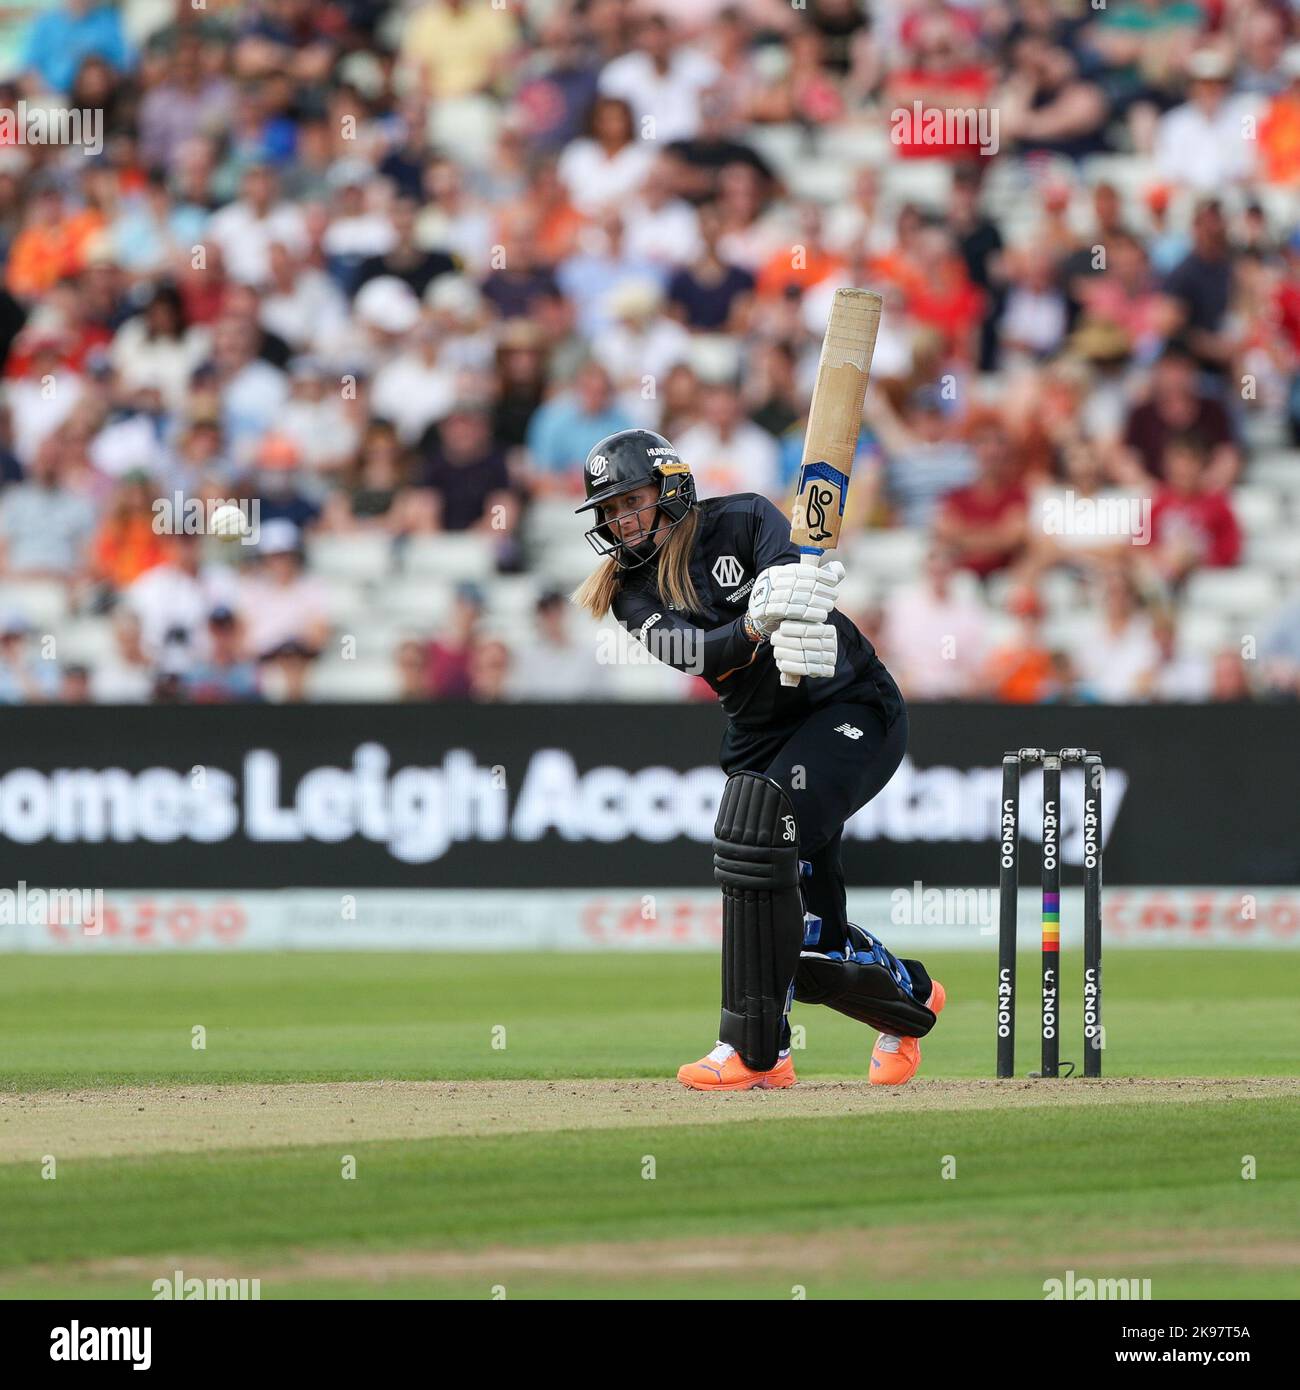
[{"x": 834, "y": 420}]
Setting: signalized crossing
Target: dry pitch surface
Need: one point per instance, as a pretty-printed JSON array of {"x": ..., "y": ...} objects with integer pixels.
[{"x": 180, "y": 1119}]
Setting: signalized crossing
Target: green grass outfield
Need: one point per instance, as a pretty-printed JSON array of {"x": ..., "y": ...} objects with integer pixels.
[{"x": 968, "y": 1189}]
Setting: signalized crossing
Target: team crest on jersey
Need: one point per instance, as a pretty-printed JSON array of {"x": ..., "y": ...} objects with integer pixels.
[
  {"x": 598, "y": 465},
  {"x": 728, "y": 571}
]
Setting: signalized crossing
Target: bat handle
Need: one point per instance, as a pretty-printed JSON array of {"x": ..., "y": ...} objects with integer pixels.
[{"x": 811, "y": 555}]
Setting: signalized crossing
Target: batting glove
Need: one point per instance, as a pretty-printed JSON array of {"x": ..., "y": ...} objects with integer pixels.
[
  {"x": 805, "y": 649},
  {"x": 800, "y": 591}
]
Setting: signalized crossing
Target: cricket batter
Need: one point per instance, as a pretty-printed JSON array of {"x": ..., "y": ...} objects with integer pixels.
[{"x": 715, "y": 587}]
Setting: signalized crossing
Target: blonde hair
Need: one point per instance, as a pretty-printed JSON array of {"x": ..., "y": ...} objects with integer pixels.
[{"x": 596, "y": 593}]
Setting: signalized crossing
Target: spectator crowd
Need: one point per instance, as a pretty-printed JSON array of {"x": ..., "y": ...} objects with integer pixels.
[{"x": 389, "y": 270}]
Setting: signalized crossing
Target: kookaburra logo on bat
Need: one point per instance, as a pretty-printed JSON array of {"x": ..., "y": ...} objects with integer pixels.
[{"x": 819, "y": 499}]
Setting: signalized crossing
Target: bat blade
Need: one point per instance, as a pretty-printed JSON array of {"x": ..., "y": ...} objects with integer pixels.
[
  {"x": 834, "y": 423},
  {"x": 835, "y": 419}
]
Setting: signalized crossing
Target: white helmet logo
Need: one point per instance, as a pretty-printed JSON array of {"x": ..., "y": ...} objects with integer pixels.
[
  {"x": 728, "y": 571},
  {"x": 598, "y": 465}
]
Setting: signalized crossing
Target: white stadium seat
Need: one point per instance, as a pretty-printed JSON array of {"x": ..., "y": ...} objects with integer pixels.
[
  {"x": 1258, "y": 507},
  {"x": 553, "y": 520},
  {"x": 1235, "y": 593},
  {"x": 450, "y": 557},
  {"x": 894, "y": 555},
  {"x": 42, "y": 602},
  {"x": 365, "y": 556},
  {"x": 346, "y": 598},
  {"x": 359, "y": 680},
  {"x": 1203, "y": 634},
  {"x": 564, "y": 564},
  {"x": 783, "y": 146},
  {"x": 424, "y": 603},
  {"x": 1278, "y": 553},
  {"x": 1278, "y": 469},
  {"x": 855, "y": 146},
  {"x": 820, "y": 180},
  {"x": 513, "y": 596},
  {"x": 89, "y": 641}
]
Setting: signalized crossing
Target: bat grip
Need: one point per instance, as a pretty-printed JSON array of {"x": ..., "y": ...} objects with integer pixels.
[{"x": 811, "y": 555}]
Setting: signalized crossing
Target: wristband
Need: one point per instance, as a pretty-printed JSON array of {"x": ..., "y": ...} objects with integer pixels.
[{"x": 754, "y": 633}]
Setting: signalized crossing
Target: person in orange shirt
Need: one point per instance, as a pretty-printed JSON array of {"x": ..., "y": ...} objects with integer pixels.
[
  {"x": 1279, "y": 127},
  {"x": 806, "y": 262},
  {"x": 51, "y": 245},
  {"x": 1020, "y": 672},
  {"x": 937, "y": 290},
  {"x": 126, "y": 544},
  {"x": 558, "y": 221}
]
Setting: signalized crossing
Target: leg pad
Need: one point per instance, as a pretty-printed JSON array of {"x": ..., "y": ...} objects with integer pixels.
[{"x": 756, "y": 864}]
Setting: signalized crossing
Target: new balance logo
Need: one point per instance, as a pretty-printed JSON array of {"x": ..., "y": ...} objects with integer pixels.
[{"x": 848, "y": 731}]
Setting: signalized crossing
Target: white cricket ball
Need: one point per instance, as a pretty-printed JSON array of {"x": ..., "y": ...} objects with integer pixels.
[{"x": 228, "y": 523}]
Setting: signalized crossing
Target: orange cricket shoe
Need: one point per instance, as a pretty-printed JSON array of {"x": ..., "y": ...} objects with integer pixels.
[
  {"x": 895, "y": 1060},
  {"x": 722, "y": 1070}
]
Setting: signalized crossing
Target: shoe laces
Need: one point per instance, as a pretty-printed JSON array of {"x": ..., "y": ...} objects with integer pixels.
[
  {"x": 887, "y": 1042},
  {"x": 722, "y": 1052}
]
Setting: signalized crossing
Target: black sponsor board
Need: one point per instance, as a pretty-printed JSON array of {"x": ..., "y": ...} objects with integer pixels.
[{"x": 461, "y": 796}]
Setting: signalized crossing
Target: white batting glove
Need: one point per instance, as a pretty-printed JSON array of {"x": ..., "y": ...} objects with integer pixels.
[
  {"x": 805, "y": 649},
  {"x": 800, "y": 591}
]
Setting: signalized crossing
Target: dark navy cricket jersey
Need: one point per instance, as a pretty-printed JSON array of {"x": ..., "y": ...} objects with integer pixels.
[{"x": 738, "y": 537}]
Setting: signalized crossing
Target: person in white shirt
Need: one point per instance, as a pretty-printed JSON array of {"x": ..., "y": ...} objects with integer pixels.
[
  {"x": 728, "y": 453},
  {"x": 125, "y": 677},
  {"x": 245, "y": 229},
  {"x": 278, "y": 602},
  {"x": 356, "y": 228},
  {"x": 302, "y": 305},
  {"x": 661, "y": 81},
  {"x": 35, "y": 410},
  {"x": 1180, "y": 676},
  {"x": 1117, "y": 650},
  {"x": 606, "y": 168},
  {"x": 642, "y": 345},
  {"x": 936, "y": 632},
  {"x": 861, "y": 219},
  {"x": 317, "y": 419},
  {"x": 553, "y": 665},
  {"x": 414, "y": 389},
  {"x": 172, "y": 602},
  {"x": 1201, "y": 144},
  {"x": 1034, "y": 319},
  {"x": 384, "y": 312},
  {"x": 452, "y": 220},
  {"x": 1069, "y": 524},
  {"x": 154, "y": 348},
  {"x": 658, "y": 226}
]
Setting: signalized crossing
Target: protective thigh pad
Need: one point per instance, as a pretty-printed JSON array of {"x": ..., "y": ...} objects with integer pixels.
[
  {"x": 756, "y": 863},
  {"x": 873, "y": 986}
]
